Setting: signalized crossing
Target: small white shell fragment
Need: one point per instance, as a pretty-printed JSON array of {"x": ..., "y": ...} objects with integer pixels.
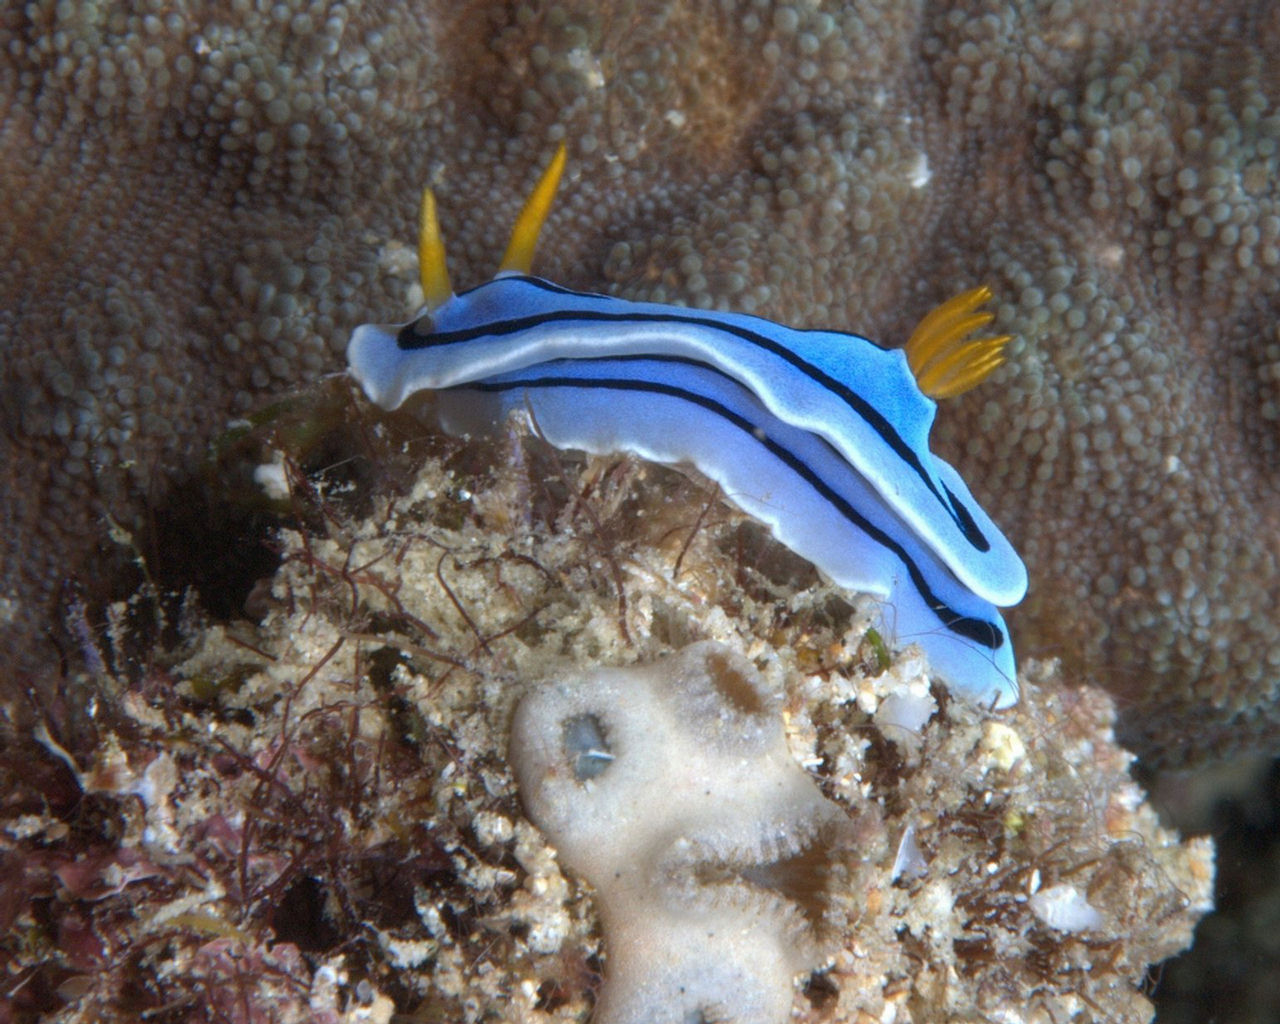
[
  {"x": 1064, "y": 908},
  {"x": 909, "y": 862}
]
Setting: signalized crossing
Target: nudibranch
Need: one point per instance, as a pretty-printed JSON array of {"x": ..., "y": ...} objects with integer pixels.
[{"x": 822, "y": 435}]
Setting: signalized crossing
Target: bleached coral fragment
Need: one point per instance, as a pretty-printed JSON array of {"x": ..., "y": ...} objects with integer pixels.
[
  {"x": 670, "y": 788},
  {"x": 1001, "y": 745}
]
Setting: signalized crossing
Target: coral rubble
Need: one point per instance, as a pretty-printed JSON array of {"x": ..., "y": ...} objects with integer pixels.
[{"x": 314, "y": 815}]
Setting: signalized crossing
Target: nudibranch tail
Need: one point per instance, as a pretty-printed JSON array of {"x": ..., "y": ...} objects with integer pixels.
[
  {"x": 433, "y": 271},
  {"x": 942, "y": 361},
  {"x": 518, "y": 259}
]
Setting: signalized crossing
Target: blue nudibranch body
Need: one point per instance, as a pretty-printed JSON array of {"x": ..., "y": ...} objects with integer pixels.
[{"x": 823, "y": 436}]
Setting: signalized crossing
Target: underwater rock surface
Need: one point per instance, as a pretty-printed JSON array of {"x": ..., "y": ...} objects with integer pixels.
[{"x": 318, "y": 807}]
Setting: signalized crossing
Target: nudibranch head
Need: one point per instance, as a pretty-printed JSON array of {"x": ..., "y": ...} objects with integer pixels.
[
  {"x": 432, "y": 267},
  {"x": 821, "y": 435},
  {"x": 518, "y": 259}
]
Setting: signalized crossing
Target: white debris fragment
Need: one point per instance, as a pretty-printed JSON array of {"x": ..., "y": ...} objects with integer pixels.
[
  {"x": 909, "y": 862},
  {"x": 273, "y": 480},
  {"x": 1002, "y": 746},
  {"x": 1064, "y": 908}
]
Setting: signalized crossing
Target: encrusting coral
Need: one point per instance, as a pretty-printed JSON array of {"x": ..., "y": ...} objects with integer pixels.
[
  {"x": 199, "y": 203},
  {"x": 314, "y": 818}
]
